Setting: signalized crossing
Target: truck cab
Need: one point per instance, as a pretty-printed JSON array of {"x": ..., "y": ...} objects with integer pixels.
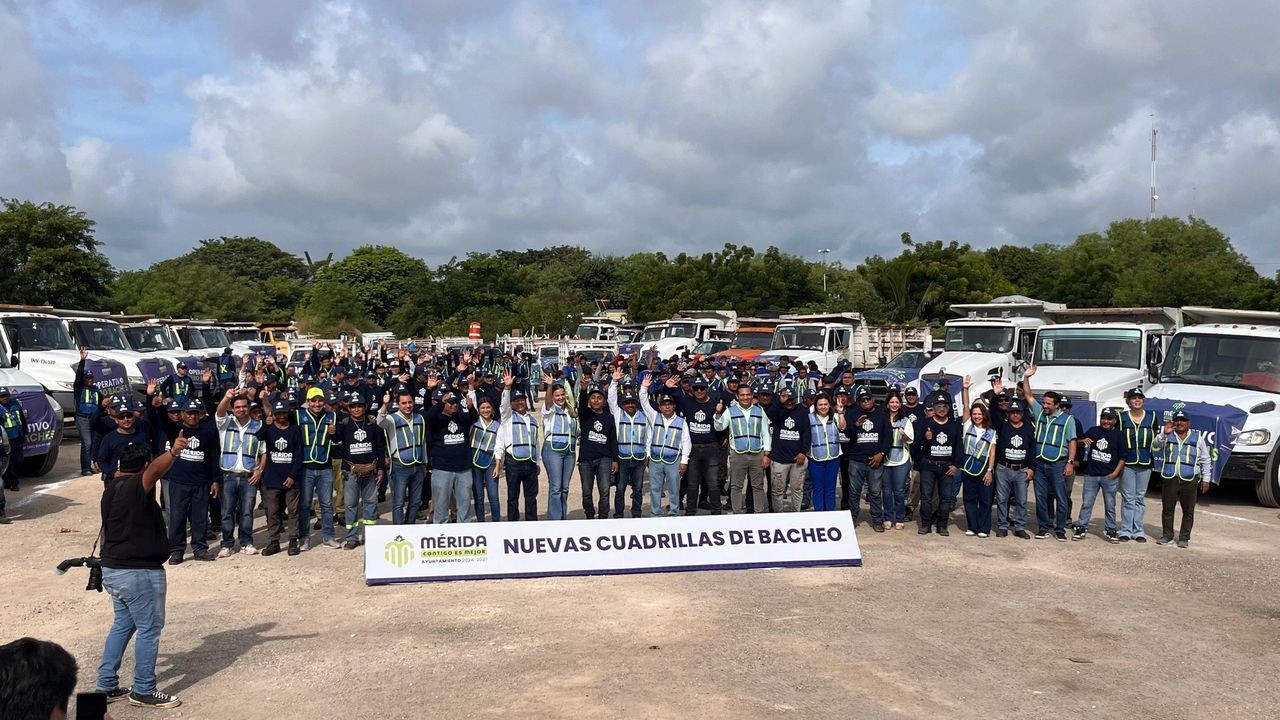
[
  {"x": 1096, "y": 354},
  {"x": 597, "y": 328},
  {"x": 40, "y": 345},
  {"x": 104, "y": 337},
  {"x": 1232, "y": 357},
  {"x": 158, "y": 341},
  {"x": 648, "y": 337},
  {"x": 995, "y": 337},
  {"x": 204, "y": 341},
  {"x": 824, "y": 343},
  {"x": 687, "y": 328}
]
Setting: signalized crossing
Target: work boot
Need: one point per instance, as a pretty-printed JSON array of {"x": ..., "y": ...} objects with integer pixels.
[
  {"x": 1183, "y": 543},
  {"x": 1164, "y": 540},
  {"x": 293, "y": 547},
  {"x": 350, "y": 544},
  {"x": 272, "y": 548}
]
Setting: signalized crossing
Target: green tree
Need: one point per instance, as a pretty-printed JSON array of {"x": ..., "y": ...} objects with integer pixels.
[
  {"x": 51, "y": 257},
  {"x": 380, "y": 277},
  {"x": 180, "y": 289},
  {"x": 334, "y": 308}
]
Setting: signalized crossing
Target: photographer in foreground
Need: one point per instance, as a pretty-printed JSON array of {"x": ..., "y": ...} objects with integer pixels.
[{"x": 135, "y": 546}]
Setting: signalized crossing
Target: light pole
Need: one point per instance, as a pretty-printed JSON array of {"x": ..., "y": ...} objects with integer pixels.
[{"x": 823, "y": 252}]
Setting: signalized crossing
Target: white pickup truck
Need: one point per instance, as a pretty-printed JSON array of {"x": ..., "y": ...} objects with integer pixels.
[
  {"x": 994, "y": 337},
  {"x": 827, "y": 339},
  {"x": 1232, "y": 357},
  {"x": 1096, "y": 354}
]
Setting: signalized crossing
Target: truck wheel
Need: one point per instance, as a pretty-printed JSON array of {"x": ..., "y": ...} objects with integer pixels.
[
  {"x": 41, "y": 465},
  {"x": 1268, "y": 486}
]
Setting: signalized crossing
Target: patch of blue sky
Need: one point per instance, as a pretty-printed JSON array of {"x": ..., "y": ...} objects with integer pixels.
[
  {"x": 122, "y": 74},
  {"x": 931, "y": 47}
]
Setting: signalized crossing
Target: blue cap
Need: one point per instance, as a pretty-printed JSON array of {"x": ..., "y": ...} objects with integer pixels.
[
  {"x": 1134, "y": 392},
  {"x": 193, "y": 405},
  {"x": 355, "y": 398},
  {"x": 1015, "y": 405},
  {"x": 280, "y": 406},
  {"x": 4, "y": 390},
  {"x": 174, "y": 406}
]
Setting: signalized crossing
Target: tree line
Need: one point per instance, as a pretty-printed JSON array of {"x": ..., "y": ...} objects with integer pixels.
[{"x": 56, "y": 260}]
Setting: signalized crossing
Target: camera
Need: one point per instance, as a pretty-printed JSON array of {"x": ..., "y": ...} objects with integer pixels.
[{"x": 95, "y": 570}]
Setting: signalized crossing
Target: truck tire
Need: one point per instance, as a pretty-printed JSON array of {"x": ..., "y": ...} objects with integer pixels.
[
  {"x": 41, "y": 465},
  {"x": 1268, "y": 486}
]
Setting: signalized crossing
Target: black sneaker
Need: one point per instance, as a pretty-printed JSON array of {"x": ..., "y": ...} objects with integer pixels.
[
  {"x": 1126, "y": 538},
  {"x": 924, "y": 531},
  {"x": 943, "y": 532},
  {"x": 1022, "y": 534},
  {"x": 1078, "y": 534},
  {"x": 1062, "y": 536},
  {"x": 1140, "y": 539},
  {"x": 1183, "y": 543},
  {"x": 350, "y": 545},
  {"x": 115, "y": 694},
  {"x": 1042, "y": 534},
  {"x": 877, "y": 527},
  {"x": 1164, "y": 540},
  {"x": 204, "y": 556},
  {"x": 175, "y": 559},
  {"x": 156, "y": 699},
  {"x": 293, "y": 547},
  {"x": 1002, "y": 533},
  {"x": 1112, "y": 538},
  {"x": 272, "y": 548}
]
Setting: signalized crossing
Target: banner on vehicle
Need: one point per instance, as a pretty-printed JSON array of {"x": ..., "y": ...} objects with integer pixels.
[
  {"x": 108, "y": 375},
  {"x": 1220, "y": 423},
  {"x": 42, "y": 422},
  {"x": 472, "y": 551}
]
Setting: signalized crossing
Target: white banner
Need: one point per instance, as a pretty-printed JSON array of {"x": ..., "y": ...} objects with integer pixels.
[{"x": 415, "y": 553}]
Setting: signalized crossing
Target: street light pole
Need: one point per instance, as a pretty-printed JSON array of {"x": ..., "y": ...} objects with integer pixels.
[{"x": 823, "y": 252}]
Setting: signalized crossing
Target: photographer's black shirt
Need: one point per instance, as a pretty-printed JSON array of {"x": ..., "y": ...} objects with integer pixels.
[{"x": 133, "y": 533}]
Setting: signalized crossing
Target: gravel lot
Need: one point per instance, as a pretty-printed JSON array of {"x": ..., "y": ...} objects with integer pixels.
[{"x": 930, "y": 627}]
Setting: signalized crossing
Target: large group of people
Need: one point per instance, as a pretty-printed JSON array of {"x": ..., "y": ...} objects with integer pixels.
[{"x": 437, "y": 433}]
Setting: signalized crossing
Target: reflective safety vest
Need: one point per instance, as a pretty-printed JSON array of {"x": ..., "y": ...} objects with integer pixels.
[
  {"x": 240, "y": 443},
  {"x": 746, "y": 429},
  {"x": 1180, "y": 456},
  {"x": 89, "y": 401},
  {"x": 633, "y": 432},
  {"x": 11, "y": 420},
  {"x": 977, "y": 449},
  {"x": 666, "y": 439},
  {"x": 826, "y": 438},
  {"x": 315, "y": 440},
  {"x": 483, "y": 437},
  {"x": 291, "y": 382},
  {"x": 564, "y": 432},
  {"x": 410, "y": 439},
  {"x": 226, "y": 370},
  {"x": 1050, "y": 431},
  {"x": 524, "y": 437},
  {"x": 181, "y": 387},
  {"x": 898, "y": 452},
  {"x": 1138, "y": 438}
]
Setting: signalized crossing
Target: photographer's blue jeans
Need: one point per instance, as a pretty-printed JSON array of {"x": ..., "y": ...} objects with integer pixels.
[
  {"x": 86, "y": 443},
  {"x": 483, "y": 481},
  {"x": 406, "y": 489},
  {"x": 238, "y": 498},
  {"x": 316, "y": 482},
  {"x": 138, "y": 599},
  {"x": 559, "y": 470}
]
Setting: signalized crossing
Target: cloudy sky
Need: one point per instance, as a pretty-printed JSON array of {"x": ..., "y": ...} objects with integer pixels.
[{"x": 457, "y": 125}]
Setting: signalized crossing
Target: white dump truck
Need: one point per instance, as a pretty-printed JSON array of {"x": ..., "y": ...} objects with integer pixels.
[
  {"x": 1232, "y": 358},
  {"x": 687, "y": 328},
  {"x": 1096, "y": 354},
  {"x": 826, "y": 339},
  {"x": 39, "y": 344},
  {"x": 995, "y": 337}
]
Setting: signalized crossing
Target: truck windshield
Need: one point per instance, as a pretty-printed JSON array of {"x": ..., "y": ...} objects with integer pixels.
[
  {"x": 682, "y": 330},
  {"x": 909, "y": 360},
  {"x": 192, "y": 339},
  {"x": 979, "y": 338},
  {"x": 97, "y": 335},
  {"x": 1094, "y": 347},
  {"x": 149, "y": 339},
  {"x": 708, "y": 347},
  {"x": 215, "y": 337},
  {"x": 588, "y": 332},
  {"x": 653, "y": 332},
  {"x": 35, "y": 333},
  {"x": 752, "y": 341},
  {"x": 243, "y": 335},
  {"x": 796, "y": 337},
  {"x": 1227, "y": 360}
]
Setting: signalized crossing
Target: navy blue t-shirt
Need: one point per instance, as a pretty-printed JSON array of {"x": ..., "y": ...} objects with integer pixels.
[
  {"x": 198, "y": 463},
  {"x": 1105, "y": 452},
  {"x": 284, "y": 449}
]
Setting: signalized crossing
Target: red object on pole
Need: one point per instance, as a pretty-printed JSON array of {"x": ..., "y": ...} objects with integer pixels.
[{"x": 474, "y": 333}]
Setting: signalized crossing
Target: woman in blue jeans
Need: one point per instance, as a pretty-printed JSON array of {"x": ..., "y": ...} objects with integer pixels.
[
  {"x": 897, "y": 465},
  {"x": 483, "y": 438},
  {"x": 560, "y": 429}
]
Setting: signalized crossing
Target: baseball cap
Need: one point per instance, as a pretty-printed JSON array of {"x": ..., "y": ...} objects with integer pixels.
[
  {"x": 911, "y": 391},
  {"x": 3, "y": 391},
  {"x": 181, "y": 365},
  {"x": 355, "y": 398},
  {"x": 699, "y": 382},
  {"x": 174, "y": 406},
  {"x": 1109, "y": 413},
  {"x": 630, "y": 397},
  {"x": 315, "y": 392},
  {"x": 1180, "y": 415},
  {"x": 280, "y": 406},
  {"x": 665, "y": 398},
  {"x": 864, "y": 393},
  {"x": 193, "y": 405},
  {"x": 518, "y": 394},
  {"x": 786, "y": 390},
  {"x": 1015, "y": 406},
  {"x": 1135, "y": 392}
]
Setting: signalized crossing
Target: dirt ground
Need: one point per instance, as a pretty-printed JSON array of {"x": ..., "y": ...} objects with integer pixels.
[{"x": 930, "y": 627}]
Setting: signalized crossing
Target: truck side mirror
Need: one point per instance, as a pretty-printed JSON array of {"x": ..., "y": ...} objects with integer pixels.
[{"x": 14, "y": 360}]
